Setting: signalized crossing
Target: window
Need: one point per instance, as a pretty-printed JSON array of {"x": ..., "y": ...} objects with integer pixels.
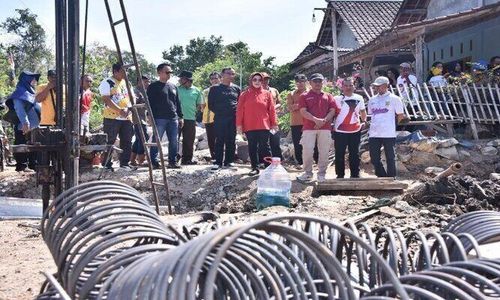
[
  {"x": 461, "y": 48},
  {"x": 470, "y": 45},
  {"x": 434, "y": 56},
  {"x": 442, "y": 53},
  {"x": 451, "y": 51}
]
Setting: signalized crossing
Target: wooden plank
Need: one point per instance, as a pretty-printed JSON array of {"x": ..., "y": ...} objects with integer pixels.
[
  {"x": 460, "y": 103},
  {"x": 361, "y": 184},
  {"x": 362, "y": 217},
  {"x": 423, "y": 102},
  {"x": 404, "y": 104},
  {"x": 469, "y": 112},
  {"x": 493, "y": 102}
]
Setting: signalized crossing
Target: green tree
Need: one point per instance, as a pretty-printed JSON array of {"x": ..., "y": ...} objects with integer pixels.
[
  {"x": 29, "y": 46},
  {"x": 196, "y": 53}
]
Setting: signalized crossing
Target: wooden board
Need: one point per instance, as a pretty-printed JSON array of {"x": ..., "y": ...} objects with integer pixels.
[{"x": 361, "y": 184}]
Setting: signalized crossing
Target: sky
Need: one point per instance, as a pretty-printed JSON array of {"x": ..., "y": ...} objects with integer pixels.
[{"x": 280, "y": 28}]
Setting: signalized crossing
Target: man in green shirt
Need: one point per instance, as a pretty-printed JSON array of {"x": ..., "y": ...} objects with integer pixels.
[{"x": 191, "y": 100}]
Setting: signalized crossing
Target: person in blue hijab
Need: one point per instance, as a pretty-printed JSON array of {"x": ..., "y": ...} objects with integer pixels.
[{"x": 27, "y": 110}]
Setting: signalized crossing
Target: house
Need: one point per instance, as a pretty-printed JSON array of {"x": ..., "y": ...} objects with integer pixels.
[
  {"x": 358, "y": 22},
  {"x": 420, "y": 31}
]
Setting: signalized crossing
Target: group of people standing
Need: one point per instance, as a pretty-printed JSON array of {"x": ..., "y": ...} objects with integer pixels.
[{"x": 316, "y": 116}]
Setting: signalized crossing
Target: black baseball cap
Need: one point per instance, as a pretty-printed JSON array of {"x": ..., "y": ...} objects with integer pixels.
[
  {"x": 300, "y": 77},
  {"x": 317, "y": 76},
  {"x": 51, "y": 72}
]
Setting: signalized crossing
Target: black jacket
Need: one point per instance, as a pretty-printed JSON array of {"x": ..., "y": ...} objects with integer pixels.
[
  {"x": 223, "y": 100},
  {"x": 164, "y": 101}
]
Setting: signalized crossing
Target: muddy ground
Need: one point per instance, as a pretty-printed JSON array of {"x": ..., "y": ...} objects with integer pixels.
[{"x": 424, "y": 205}]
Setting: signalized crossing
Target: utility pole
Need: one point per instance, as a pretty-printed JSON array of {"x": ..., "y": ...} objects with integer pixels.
[{"x": 333, "y": 19}]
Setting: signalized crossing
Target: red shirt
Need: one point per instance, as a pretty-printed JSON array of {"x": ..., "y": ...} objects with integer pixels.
[
  {"x": 256, "y": 110},
  {"x": 318, "y": 105},
  {"x": 86, "y": 101}
]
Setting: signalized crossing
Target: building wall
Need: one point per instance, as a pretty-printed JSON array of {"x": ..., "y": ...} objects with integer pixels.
[
  {"x": 346, "y": 38},
  {"x": 476, "y": 42},
  {"x": 439, "y": 8}
]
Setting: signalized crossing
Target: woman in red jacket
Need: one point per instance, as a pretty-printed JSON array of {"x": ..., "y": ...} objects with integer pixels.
[{"x": 255, "y": 116}]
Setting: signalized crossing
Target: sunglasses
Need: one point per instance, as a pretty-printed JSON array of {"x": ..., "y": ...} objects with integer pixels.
[
  {"x": 256, "y": 80},
  {"x": 232, "y": 74}
]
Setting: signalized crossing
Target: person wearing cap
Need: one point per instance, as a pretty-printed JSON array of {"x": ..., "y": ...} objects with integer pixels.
[
  {"x": 384, "y": 108},
  {"x": 208, "y": 115},
  {"x": 117, "y": 115},
  {"x": 191, "y": 101},
  {"x": 165, "y": 105},
  {"x": 318, "y": 109},
  {"x": 27, "y": 110},
  {"x": 407, "y": 83},
  {"x": 348, "y": 128},
  {"x": 223, "y": 101},
  {"x": 46, "y": 96},
  {"x": 140, "y": 122},
  {"x": 292, "y": 101},
  {"x": 256, "y": 116},
  {"x": 274, "y": 138}
]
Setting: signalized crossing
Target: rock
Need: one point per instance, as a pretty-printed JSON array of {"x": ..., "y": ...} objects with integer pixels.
[
  {"x": 404, "y": 157},
  {"x": 489, "y": 150},
  {"x": 449, "y": 153},
  {"x": 433, "y": 170},
  {"x": 424, "y": 212},
  {"x": 495, "y": 176},
  {"x": 202, "y": 145},
  {"x": 494, "y": 143},
  {"x": 448, "y": 143},
  {"x": 463, "y": 154},
  {"x": 426, "y": 145},
  {"x": 400, "y": 167},
  {"x": 365, "y": 157},
  {"x": 391, "y": 212},
  {"x": 404, "y": 207}
]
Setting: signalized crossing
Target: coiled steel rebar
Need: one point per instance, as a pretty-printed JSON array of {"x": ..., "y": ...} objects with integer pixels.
[{"x": 109, "y": 244}]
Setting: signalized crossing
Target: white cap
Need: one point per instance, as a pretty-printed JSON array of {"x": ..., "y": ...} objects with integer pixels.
[{"x": 381, "y": 80}]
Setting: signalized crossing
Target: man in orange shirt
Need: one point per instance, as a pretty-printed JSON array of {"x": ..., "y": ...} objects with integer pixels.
[
  {"x": 292, "y": 102},
  {"x": 46, "y": 96}
]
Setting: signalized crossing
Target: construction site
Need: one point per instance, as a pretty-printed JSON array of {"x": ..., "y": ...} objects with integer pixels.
[{"x": 74, "y": 231}]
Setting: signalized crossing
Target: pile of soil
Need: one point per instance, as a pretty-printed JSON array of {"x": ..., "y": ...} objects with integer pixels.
[{"x": 470, "y": 194}]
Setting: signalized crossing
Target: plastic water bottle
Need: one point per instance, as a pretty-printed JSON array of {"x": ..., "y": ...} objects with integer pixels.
[{"x": 273, "y": 185}]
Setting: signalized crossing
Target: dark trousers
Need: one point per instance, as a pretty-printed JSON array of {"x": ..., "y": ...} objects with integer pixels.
[
  {"x": 375, "y": 145},
  {"x": 188, "y": 136},
  {"x": 274, "y": 142},
  {"x": 258, "y": 146},
  {"x": 225, "y": 140},
  {"x": 23, "y": 160},
  {"x": 351, "y": 142},
  {"x": 297, "y": 147},
  {"x": 124, "y": 130},
  {"x": 210, "y": 129},
  {"x": 137, "y": 146}
]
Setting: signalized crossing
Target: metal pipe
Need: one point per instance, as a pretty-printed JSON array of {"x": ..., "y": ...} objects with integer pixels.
[
  {"x": 73, "y": 102},
  {"x": 453, "y": 169}
]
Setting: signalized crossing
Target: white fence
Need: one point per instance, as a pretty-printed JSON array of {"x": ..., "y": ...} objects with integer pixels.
[{"x": 452, "y": 103}]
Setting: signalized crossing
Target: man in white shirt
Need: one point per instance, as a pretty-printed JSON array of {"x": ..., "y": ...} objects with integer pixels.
[
  {"x": 407, "y": 83},
  {"x": 384, "y": 109},
  {"x": 348, "y": 128}
]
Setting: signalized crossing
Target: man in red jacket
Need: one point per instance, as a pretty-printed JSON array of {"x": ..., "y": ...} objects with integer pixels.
[{"x": 318, "y": 109}]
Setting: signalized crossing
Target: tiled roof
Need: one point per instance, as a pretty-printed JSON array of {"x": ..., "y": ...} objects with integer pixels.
[{"x": 367, "y": 19}]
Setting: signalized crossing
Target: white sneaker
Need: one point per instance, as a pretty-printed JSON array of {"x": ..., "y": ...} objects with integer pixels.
[
  {"x": 321, "y": 178},
  {"x": 216, "y": 167},
  {"x": 305, "y": 177}
]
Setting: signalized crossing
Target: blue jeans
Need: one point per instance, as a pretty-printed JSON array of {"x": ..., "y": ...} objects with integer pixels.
[
  {"x": 137, "y": 146},
  {"x": 171, "y": 128}
]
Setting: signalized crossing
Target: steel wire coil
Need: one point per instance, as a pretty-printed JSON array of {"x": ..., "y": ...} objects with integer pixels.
[
  {"x": 109, "y": 244},
  {"x": 94, "y": 229}
]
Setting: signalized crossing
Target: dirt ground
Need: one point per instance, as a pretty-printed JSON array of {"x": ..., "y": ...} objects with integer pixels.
[{"x": 230, "y": 194}]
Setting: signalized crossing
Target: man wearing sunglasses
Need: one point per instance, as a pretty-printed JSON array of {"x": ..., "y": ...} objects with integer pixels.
[
  {"x": 222, "y": 101},
  {"x": 167, "y": 113}
]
